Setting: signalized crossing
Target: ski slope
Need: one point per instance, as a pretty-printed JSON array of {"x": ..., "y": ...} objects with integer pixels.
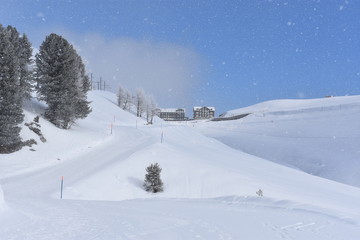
[
  {"x": 318, "y": 136},
  {"x": 209, "y": 187}
]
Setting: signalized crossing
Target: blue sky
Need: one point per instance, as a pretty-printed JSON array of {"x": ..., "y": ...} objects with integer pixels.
[{"x": 226, "y": 54}]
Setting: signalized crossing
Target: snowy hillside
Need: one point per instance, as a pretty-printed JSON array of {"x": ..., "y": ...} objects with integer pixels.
[
  {"x": 293, "y": 105},
  {"x": 1, "y": 198},
  {"x": 318, "y": 136},
  {"x": 209, "y": 188}
]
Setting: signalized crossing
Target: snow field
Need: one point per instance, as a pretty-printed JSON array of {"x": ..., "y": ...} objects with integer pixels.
[
  {"x": 211, "y": 170},
  {"x": 209, "y": 187},
  {"x": 1, "y": 197},
  {"x": 160, "y": 218},
  {"x": 317, "y": 136}
]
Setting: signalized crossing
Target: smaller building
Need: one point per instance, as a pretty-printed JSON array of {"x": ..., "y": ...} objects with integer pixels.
[
  {"x": 172, "y": 114},
  {"x": 204, "y": 112}
]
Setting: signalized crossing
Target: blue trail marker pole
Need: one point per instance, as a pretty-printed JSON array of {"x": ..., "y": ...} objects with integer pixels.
[
  {"x": 62, "y": 185},
  {"x": 162, "y": 136}
]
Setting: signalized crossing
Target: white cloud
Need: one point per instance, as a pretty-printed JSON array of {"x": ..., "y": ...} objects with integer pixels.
[{"x": 171, "y": 73}]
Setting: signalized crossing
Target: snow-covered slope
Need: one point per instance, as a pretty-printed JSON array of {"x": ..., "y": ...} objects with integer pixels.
[
  {"x": 1, "y": 197},
  {"x": 61, "y": 144},
  {"x": 209, "y": 187},
  {"x": 295, "y": 105},
  {"x": 318, "y": 136}
]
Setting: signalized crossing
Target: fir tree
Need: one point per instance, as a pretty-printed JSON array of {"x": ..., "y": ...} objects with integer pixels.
[
  {"x": 26, "y": 72},
  {"x": 260, "y": 193},
  {"x": 62, "y": 82},
  {"x": 11, "y": 113},
  {"x": 83, "y": 85},
  {"x": 152, "y": 182}
]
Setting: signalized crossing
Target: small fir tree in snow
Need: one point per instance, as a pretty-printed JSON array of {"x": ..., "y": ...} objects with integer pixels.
[
  {"x": 153, "y": 181},
  {"x": 260, "y": 193}
]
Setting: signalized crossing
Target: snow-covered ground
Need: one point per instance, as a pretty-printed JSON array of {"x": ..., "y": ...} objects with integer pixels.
[
  {"x": 1, "y": 198},
  {"x": 210, "y": 188},
  {"x": 318, "y": 136}
]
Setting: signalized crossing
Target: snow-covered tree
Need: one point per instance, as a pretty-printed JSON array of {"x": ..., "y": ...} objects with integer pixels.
[
  {"x": 61, "y": 81},
  {"x": 11, "y": 113},
  {"x": 121, "y": 96},
  {"x": 144, "y": 104},
  {"x": 128, "y": 101},
  {"x": 124, "y": 98},
  {"x": 140, "y": 102},
  {"x": 150, "y": 108},
  {"x": 152, "y": 182}
]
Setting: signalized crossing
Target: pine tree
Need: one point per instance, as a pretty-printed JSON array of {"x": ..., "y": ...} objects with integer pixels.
[
  {"x": 152, "y": 182},
  {"x": 11, "y": 113},
  {"x": 83, "y": 84},
  {"x": 23, "y": 52},
  {"x": 260, "y": 193},
  {"x": 62, "y": 82},
  {"x": 26, "y": 72}
]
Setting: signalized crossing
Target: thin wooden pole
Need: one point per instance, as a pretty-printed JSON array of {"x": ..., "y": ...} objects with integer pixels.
[{"x": 62, "y": 186}]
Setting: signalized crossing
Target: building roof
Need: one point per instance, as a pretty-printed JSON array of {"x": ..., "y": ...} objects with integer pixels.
[
  {"x": 210, "y": 108},
  {"x": 171, "y": 109}
]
